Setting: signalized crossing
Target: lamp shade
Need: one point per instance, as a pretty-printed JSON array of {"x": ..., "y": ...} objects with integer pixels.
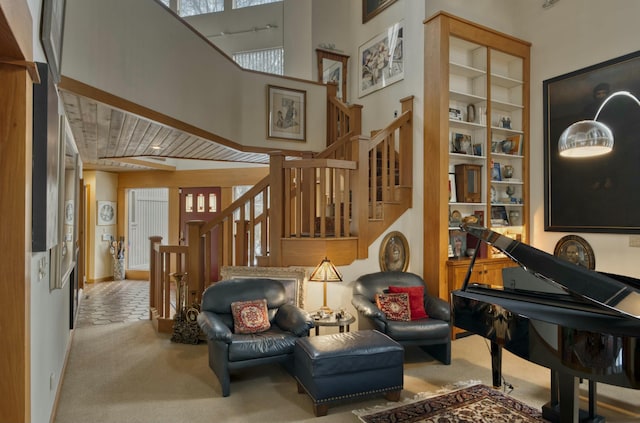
[
  {"x": 585, "y": 138},
  {"x": 588, "y": 138},
  {"x": 325, "y": 272}
]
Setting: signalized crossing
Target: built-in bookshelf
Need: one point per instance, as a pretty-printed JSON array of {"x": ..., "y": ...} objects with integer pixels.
[{"x": 476, "y": 138}]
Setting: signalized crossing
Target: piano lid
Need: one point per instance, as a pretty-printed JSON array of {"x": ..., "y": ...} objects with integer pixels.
[{"x": 620, "y": 296}]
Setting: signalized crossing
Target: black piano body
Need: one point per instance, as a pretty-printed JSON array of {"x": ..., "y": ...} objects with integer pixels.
[{"x": 579, "y": 323}]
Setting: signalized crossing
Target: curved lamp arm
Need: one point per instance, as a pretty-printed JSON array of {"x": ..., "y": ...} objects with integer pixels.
[{"x": 617, "y": 93}]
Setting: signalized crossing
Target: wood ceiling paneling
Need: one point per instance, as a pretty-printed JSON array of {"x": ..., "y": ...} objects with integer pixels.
[{"x": 104, "y": 135}]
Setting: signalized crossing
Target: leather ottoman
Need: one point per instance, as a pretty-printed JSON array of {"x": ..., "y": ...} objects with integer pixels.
[{"x": 342, "y": 366}]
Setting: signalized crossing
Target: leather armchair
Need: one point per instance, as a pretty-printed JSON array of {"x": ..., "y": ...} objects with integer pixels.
[
  {"x": 432, "y": 334},
  {"x": 228, "y": 350}
]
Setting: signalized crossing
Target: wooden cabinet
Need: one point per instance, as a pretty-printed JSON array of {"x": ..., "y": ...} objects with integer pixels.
[
  {"x": 485, "y": 271},
  {"x": 476, "y": 116}
]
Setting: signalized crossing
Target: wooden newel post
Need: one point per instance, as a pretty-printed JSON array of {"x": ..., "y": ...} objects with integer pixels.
[
  {"x": 154, "y": 288},
  {"x": 196, "y": 251},
  {"x": 360, "y": 194},
  {"x": 276, "y": 214}
]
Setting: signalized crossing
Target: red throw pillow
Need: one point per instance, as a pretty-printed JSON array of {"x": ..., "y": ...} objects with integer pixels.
[
  {"x": 416, "y": 300},
  {"x": 394, "y": 306},
  {"x": 250, "y": 316}
]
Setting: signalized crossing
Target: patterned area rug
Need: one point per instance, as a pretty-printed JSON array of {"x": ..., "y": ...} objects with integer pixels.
[{"x": 477, "y": 403}]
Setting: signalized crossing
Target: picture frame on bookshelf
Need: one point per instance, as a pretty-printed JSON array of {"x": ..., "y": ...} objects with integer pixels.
[
  {"x": 458, "y": 242},
  {"x": 499, "y": 216},
  {"x": 477, "y": 149},
  {"x": 461, "y": 143},
  {"x": 496, "y": 172}
]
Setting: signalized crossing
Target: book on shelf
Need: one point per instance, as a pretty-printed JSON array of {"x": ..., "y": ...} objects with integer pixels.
[
  {"x": 496, "y": 172},
  {"x": 516, "y": 144},
  {"x": 453, "y": 198}
]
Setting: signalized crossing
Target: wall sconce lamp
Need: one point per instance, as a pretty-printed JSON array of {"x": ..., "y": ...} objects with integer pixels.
[
  {"x": 325, "y": 272},
  {"x": 588, "y": 138}
]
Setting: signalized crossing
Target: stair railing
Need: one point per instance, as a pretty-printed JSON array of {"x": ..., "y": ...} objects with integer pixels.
[{"x": 330, "y": 196}]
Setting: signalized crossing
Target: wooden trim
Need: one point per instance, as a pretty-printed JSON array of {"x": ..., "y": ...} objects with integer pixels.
[{"x": 15, "y": 299}]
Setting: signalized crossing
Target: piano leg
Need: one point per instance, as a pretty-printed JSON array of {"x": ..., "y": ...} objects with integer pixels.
[
  {"x": 496, "y": 364},
  {"x": 564, "y": 403}
]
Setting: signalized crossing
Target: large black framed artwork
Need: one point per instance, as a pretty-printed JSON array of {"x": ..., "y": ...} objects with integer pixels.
[{"x": 595, "y": 194}]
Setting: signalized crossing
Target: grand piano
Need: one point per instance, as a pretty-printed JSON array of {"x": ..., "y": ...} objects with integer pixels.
[{"x": 579, "y": 323}]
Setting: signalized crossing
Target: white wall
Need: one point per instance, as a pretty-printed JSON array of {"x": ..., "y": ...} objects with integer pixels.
[
  {"x": 138, "y": 51},
  {"x": 569, "y": 36}
]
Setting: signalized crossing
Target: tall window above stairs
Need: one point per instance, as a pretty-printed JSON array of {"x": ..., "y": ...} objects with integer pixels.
[{"x": 269, "y": 60}]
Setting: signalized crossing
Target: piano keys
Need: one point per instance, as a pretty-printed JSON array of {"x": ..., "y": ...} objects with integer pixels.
[{"x": 577, "y": 322}]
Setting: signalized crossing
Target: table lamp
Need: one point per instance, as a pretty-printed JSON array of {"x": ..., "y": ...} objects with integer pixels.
[{"x": 325, "y": 272}]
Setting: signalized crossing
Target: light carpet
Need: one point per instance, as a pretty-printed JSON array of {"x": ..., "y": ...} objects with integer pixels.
[
  {"x": 477, "y": 403},
  {"x": 128, "y": 373}
]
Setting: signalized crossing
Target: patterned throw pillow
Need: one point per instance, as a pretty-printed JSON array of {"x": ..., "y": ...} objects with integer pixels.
[
  {"x": 416, "y": 300},
  {"x": 394, "y": 306},
  {"x": 250, "y": 316}
]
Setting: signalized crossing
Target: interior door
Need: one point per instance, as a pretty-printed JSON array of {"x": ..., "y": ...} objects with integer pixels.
[{"x": 201, "y": 204}]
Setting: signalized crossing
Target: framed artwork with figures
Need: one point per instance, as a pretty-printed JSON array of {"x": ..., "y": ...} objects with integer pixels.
[
  {"x": 287, "y": 116},
  {"x": 381, "y": 60}
]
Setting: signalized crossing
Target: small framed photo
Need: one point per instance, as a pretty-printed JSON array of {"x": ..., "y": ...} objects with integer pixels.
[
  {"x": 458, "y": 242},
  {"x": 394, "y": 252},
  {"x": 106, "y": 213},
  {"x": 287, "y": 114},
  {"x": 577, "y": 250}
]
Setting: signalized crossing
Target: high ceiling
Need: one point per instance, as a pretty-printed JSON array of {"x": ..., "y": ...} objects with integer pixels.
[{"x": 111, "y": 139}]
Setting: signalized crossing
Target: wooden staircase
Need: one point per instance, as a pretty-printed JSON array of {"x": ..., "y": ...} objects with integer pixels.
[{"x": 334, "y": 204}]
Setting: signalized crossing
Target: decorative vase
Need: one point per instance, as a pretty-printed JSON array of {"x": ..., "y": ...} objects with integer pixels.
[
  {"x": 507, "y": 145},
  {"x": 507, "y": 172}
]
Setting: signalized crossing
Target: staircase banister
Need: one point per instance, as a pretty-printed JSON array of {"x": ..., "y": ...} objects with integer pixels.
[
  {"x": 393, "y": 126},
  {"x": 340, "y": 142},
  {"x": 228, "y": 211},
  {"x": 320, "y": 163}
]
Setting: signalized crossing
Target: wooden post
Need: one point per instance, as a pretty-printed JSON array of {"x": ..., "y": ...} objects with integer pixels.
[
  {"x": 153, "y": 274},
  {"x": 406, "y": 145},
  {"x": 276, "y": 212},
  {"x": 360, "y": 194}
]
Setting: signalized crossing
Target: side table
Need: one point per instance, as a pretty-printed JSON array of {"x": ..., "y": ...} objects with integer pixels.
[{"x": 332, "y": 321}]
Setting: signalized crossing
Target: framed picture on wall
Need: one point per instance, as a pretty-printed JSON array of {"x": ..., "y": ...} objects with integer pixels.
[
  {"x": 371, "y": 8},
  {"x": 287, "y": 113},
  {"x": 51, "y": 34},
  {"x": 594, "y": 194},
  {"x": 106, "y": 213},
  {"x": 381, "y": 60}
]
